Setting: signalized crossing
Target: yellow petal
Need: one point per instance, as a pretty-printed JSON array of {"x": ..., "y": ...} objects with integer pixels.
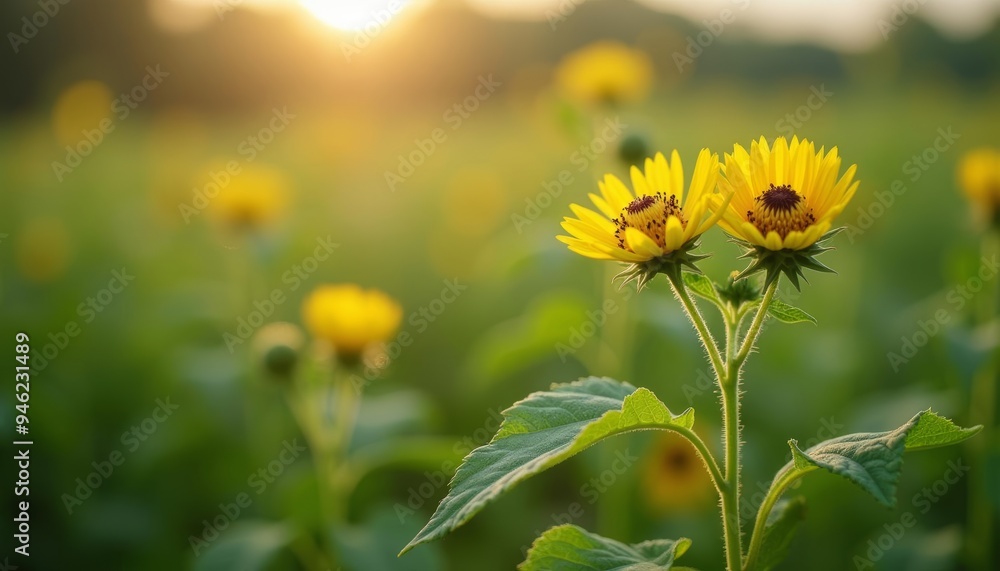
[
  {"x": 703, "y": 178},
  {"x": 751, "y": 234},
  {"x": 721, "y": 210},
  {"x": 586, "y": 232},
  {"x": 662, "y": 172},
  {"x": 603, "y": 206},
  {"x": 794, "y": 240},
  {"x": 674, "y": 231},
  {"x": 676, "y": 176},
  {"x": 592, "y": 217},
  {"x": 773, "y": 241},
  {"x": 592, "y": 254},
  {"x": 639, "y": 182},
  {"x": 642, "y": 244},
  {"x": 695, "y": 216},
  {"x": 584, "y": 248},
  {"x": 615, "y": 193}
]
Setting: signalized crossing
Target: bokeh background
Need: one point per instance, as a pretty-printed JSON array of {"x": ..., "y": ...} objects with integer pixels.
[{"x": 315, "y": 102}]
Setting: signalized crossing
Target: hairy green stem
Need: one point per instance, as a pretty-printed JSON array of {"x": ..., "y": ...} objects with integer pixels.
[
  {"x": 699, "y": 323},
  {"x": 731, "y": 396},
  {"x": 706, "y": 455},
  {"x": 754, "y": 330},
  {"x": 731, "y": 492},
  {"x": 727, "y": 373}
]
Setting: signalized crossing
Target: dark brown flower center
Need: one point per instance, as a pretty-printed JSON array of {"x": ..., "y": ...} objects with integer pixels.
[
  {"x": 649, "y": 214},
  {"x": 780, "y": 209}
]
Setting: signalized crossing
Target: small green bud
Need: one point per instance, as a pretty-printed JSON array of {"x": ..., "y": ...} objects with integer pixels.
[
  {"x": 277, "y": 346},
  {"x": 738, "y": 291},
  {"x": 633, "y": 149}
]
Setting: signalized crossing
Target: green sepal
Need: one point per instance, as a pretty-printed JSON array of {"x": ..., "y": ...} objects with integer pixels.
[
  {"x": 672, "y": 264},
  {"x": 789, "y": 262}
]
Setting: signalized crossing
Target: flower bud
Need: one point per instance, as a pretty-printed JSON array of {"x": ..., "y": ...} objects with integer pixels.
[{"x": 277, "y": 347}]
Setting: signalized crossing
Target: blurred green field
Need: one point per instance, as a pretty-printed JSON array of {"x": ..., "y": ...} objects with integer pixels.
[
  {"x": 162, "y": 336},
  {"x": 436, "y": 165}
]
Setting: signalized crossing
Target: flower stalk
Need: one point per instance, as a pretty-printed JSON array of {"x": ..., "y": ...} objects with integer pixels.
[{"x": 727, "y": 373}]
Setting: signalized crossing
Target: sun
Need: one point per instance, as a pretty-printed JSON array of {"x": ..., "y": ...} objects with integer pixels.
[{"x": 354, "y": 15}]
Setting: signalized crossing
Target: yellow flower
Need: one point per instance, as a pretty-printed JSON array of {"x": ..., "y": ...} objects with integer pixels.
[
  {"x": 660, "y": 218},
  {"x": 673, "y": 476},
  {"x": 43, "y": 249},
  {"x": 606, "y": 72},
  {"x": 979, "y": 177},
  {"x": 785, "y": 197},
  {"x": 253, "y": 198},
  {"x": 350, "y": 318}
]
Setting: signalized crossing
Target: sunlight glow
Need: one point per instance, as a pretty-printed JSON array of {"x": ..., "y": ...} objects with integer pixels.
[{"x": 355, "y": 15}]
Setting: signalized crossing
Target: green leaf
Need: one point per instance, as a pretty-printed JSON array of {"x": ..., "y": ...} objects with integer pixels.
[
  {"x": 874, "y": 460},
  {"x": 788, "y": 314},
  {"x": 570, "y": 548},
  {"x": 779, "y": 530},
  {"x": 702, "y": 286},
  {"x": 541, "y": 431},
  {"x": 932, "y": 431},
  {"x": 250, "y": 545}
]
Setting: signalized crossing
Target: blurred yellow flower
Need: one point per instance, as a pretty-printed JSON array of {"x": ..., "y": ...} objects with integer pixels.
[
  {"x": 253, "y": 198},
  {"x": 606, "y": 72},
  {"x": 785, "y": 197},
  {"x": 673, "y": 476},
  {"x": 979, "y": 177},
  {"x": 43, "y": 249},
  {"x": 659, "y": 219},
  {"x": 351, "y": 318},
  {"x": 80, "y": 107}
]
